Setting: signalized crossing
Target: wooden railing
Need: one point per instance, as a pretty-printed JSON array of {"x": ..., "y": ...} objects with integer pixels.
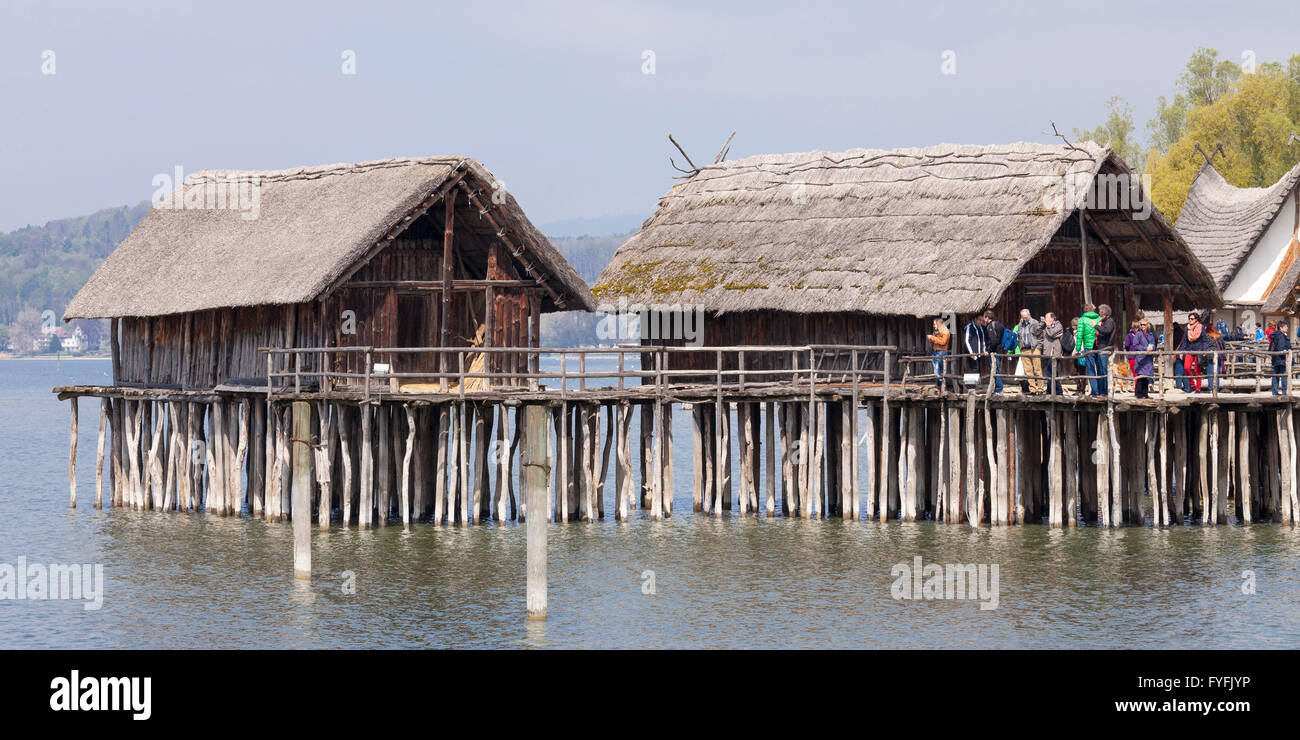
[
  {"x": 732, "y": 367},
  {"x": 1236, "y": 369}
]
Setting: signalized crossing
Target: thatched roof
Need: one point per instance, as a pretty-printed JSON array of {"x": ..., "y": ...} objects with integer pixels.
[
  {"x": 1222, "y": 223},
  {"x": 905, "y": 232},
  {"x": 313, "y": 224}
]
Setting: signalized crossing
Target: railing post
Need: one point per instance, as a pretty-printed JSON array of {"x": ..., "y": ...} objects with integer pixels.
[
  {"x": 718, "y": 370},
  {"x": 1110, "y": 376},
  {"x": 1214, "y": 375},
  {"x": 740, "y": 363},
  {"x": 887, "y": 373},
  {"x": 297, "y": 373},
  {"x": 460, "y": 371},
  {"x": 582, "y": 370},
  {"x": 1287, "y": 376},
  {"x": 269, "y": 369},
  {"x": 564, "y": 374},
  {"x": 368, "y": 366},
  {"x": 621, "y": 355}
]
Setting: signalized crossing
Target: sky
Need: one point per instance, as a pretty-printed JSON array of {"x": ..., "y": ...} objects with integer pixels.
[{"x": 569, "y": 103}]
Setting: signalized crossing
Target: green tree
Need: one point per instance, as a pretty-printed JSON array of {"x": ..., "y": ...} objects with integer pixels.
[
  {"x": 1117, "y": 133},
  {"x": 1251, "y": 121}
]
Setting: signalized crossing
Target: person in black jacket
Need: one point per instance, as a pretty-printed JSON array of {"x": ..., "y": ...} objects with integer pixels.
[
  {"x": 1105, "y": 342},
  {"x": 1278, "y": 341},
  {"x": 973, "y": 341},
  {"x": 993, "y": 330}
]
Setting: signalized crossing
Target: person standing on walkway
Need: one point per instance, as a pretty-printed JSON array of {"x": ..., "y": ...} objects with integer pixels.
[
  {"x": 1052, "y": 351},
  {"x": 1278, "y": 341},
  {"x": 939, "y": 338},
  {"x": 1085, "y": 339},
  {"x": 1140, "y": 341},
  {"x": 1029, "y": 337},
  {"x": 994, "y": 332},
  {"x": 1105, "y": 344},
  {"x": 1193, "y": 343},
  {"x": 974, "y": 341}
]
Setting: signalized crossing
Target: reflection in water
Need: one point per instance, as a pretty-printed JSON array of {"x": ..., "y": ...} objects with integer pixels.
[{"x": 180, "y": 581}]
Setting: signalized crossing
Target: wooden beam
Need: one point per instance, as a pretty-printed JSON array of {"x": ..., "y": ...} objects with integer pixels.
[
  {"x": 516, "y": 252},
  {"x": 448, "y": 267},
  {"x": 398, "y": 228}
]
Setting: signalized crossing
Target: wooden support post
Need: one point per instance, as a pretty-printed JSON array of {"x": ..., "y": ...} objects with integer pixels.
[
  {"x": 647, "y": 454},
  {"x": 1116, "y": 469},
  {"x": 1291, "y": 489},
  {"x": 1215, "y": 461},
  {"x": 463, "y": 434},
  {"x": 623, "y": 466},
  {"x": 72, "y": 453},
  {"x": 561, "y": 422},
  {"x": 257, "y": 459},
  {"x": 970, "y": 449},
  {"x": 384, "y": 466},
  {"x": 442, "y": 505},
  {"x": 847, "y": 454},
  {"x": 697, "y": 458},
  {"x": 346, "y": 418},
  {"x": 500, "y": 495},
  {"x": 104, "y": 404},
  {"x": 787, "y": 460},
  {"x": 482, "y": 437},
  {"x": 952, "y": 510},
  {"x": 408, "y": 465},
  {"x": 722, "y": 466},
  {"x": 1071, "y": 468},
  {"x": 1055, "y": 482},
  {"x": 1203, "y": 460},
  {"x": 667, "y": 490},
  {"x": 536, "y": 482},
  {"x": 324, "y": 459},
  {"x": 746, "y": 458},
  {"x": 301, "y": 511},
  {"x": 1101, "y": 460},
  {"x": 769, "y": 428},
  {"x": 590, "y": 447},
  {"x": 365, "y": 501}
]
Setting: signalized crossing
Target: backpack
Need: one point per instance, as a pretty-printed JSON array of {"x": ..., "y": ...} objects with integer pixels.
[
  {"x": 1009, "y": 340},
  {"x": 1067, "y": 342}
]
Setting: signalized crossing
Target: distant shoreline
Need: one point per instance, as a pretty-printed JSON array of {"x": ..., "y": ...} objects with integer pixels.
[{"x": 54, "y": 357}]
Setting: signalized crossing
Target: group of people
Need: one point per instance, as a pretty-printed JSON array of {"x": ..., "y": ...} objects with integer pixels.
[{"x": 1045, "y": 347}]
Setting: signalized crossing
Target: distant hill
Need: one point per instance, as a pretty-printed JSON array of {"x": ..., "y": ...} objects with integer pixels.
[{"x": 42, "y": 267}]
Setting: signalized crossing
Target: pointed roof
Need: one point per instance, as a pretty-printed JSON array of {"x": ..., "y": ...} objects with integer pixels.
[
  {"x": 289, "y": 236},
  {"x": 904, "y": 232},
  {"x": 1222, "y": 223}
]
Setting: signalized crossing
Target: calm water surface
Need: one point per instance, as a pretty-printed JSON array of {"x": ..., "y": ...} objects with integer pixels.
[{"x": 181, "y": 580}]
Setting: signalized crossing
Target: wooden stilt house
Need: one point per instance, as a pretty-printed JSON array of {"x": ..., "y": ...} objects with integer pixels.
[
  {"x": 424, "y": 252},
  {"x": 865, "y": 247}
]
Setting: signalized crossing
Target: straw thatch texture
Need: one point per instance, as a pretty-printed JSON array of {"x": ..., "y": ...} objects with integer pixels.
[
  {"x": 312, "y": 225},
  {"x": 1222, "y": 222},
  {"x": 910, "y": 232}
]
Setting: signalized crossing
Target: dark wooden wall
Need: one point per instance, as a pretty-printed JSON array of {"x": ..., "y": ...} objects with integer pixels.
[{"x": 222, "y": 344}]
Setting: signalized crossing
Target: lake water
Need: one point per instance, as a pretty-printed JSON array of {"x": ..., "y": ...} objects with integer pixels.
[{"x": 182, "y": 580}]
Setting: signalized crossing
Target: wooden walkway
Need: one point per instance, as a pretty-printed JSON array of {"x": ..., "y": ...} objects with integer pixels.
[{"x": 811, "y": 431}]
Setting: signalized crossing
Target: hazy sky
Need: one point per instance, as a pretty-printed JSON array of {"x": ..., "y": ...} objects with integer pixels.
[{"x": 552, "y": 97}]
